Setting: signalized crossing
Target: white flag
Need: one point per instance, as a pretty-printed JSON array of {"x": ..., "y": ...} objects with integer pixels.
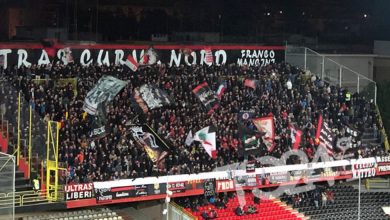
[
  {"x": 208, "y": 141},
  {"x": 189, "y": 139}
]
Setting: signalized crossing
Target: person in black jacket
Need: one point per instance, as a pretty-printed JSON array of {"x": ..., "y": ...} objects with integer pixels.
[
  {"x": 239, "y": 211},
  {"x": 256, "y": 200}
]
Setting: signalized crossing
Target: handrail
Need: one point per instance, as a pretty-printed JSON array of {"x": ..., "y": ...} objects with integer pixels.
[
  {"x": 369, "y": 183},
  {"x": 25, "y": 197},
  {"x": 383, "y": 131},
  {"x": 189, "y": 214}
]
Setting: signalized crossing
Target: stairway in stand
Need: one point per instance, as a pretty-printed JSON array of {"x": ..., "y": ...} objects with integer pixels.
[{"x": 368, "y": 137}]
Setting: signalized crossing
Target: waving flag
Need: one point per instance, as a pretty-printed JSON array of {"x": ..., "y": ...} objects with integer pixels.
[
  {"x": 148, "y": 97},
  {"x": 209, "y": 56},
  {"x": 149, "y": 57},
  {"x": 266, "y": 125},
  {"x": 105, "y": 90},
  {"x": 245, "y": 115},
  {"x": 249, "y": 140},
  {"x": 189, "y": 139},
  {"x": 131, "y": 63},
  {"x": 325, "y": 136},
  {"x": 98, "y": 98},
  {"x": 207, "y": 140},
  {"x": 221, "y": 89},
  {"x": 207, "y": 97},
  {"x": 296, "y": 135},
  {"x": 154, "y": 145},
  {"x": 251, "y": 83}
]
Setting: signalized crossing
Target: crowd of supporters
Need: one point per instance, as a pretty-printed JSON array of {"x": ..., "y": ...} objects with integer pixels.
[
  {"x": 283, "y": 91},
  {"x": 320, "y": 196},
  {"x": 219, "y": 201}
]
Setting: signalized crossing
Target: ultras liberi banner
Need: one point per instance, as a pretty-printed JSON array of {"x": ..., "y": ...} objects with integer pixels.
[{"x": 23, "y": 54}]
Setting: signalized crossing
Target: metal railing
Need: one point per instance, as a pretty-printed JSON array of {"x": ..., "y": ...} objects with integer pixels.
[
  {"x": 384, "y": 138},
  {"x": 373, "y": 183},
  {"x": 330, "y": 71},
  {"x": 176, "y": 212},
  {"x": 24, "y": 198}
]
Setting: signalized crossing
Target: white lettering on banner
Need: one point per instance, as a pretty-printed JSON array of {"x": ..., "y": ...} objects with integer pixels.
[
  {"x": 78, "y": 187},
  {"x": 105, "y": 198},
  {"x": 175, "y": 58},
  {"x": 193, "y": 55},
  {"x": 364, "y": 165},
  {"x": 106, "y": 59},
  {"x": 98, "y": 131},
  {"x": 122, "y": 194},
  {"x": 256, "y": 57},
  {"x": 78, "y": 191},
  {"x": 79, "y": 195},
  {"x": 384, "y": 168},
  {"x": 44, "y": 59},
  {"x": 22, "y": 58},
  {"x": 258, "y": 54},
  {"x": 86, "y": 61},
  {"x": 4, "y": 53},
  {"x": 223, "y": 185},
  {"x": 364, "y": 173},
  {"x": 279, "y": 177},
  {"x": 202, "y": 58},
  {"x": 218, "y": 54},
  {"x": 383, "y": 159},
  {"x": 60, "y": 54},
  {"x": 175, "y": 185},
  {"x": 141, "y": 193},
  {"x": 364, "y": 168},
  {"x": 119, "y": 54}
]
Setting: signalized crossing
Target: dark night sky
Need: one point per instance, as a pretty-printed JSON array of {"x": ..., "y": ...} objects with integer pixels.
[{"x": 359, "y": 21}]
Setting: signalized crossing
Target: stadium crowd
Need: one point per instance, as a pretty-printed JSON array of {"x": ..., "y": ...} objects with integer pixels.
[
  {"x": 283, "y": 91},
  {"x": 218, "y": 202},
  {"x": 320, "y": 196}
]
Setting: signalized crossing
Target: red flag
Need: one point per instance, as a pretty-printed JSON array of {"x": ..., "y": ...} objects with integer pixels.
[
  {"x": 144, "y": 59},
  {"x": 50, "y": 46},
  {"x": 325, "y": 136},
  {"x": 298, "y": 135},
  {"x": 297, "y": 139},
  {"x": 221, "y": 89},
  {"x": 266, "y": 125},
  {"x": 131, "y": 63},
  {"x": 250, "y": 83},
  {"x": 295, "y": 136}
]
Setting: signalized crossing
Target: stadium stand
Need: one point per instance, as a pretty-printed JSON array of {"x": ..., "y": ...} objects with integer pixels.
[
  {"x": 95, "y": 214},
  {"x": 265, "y": 209},
  {"x": 343, "y": 205},
  {"x": 114, "y": 156}
]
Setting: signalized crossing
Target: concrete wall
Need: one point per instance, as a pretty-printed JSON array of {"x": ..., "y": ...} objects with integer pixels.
[
  {"x": 382, "y": 48},
  {"x": 382, "y": 68}
]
